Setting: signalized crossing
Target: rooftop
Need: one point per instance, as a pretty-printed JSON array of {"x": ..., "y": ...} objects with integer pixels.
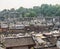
[{"x": 19, "y": 41}]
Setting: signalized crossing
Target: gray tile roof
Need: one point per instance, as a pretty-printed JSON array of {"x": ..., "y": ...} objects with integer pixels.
[{"x": 19, "y": 41}]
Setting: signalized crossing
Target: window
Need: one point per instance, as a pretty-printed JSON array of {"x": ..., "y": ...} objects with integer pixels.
[{"x": 9, "y": 48}]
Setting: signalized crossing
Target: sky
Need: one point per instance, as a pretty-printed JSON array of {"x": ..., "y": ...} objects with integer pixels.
[{"x": 8, "y": 4}]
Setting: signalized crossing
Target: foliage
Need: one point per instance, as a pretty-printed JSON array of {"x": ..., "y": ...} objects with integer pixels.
[{"x": 43, "y": 10}]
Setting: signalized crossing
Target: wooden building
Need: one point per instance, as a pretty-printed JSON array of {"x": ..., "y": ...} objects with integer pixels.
[
  {"x": 19, "y": 43},
  {"x": 12, "y": 30}
]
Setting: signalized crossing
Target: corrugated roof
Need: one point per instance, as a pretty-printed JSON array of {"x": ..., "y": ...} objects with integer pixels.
[
  {"x": 17, "y": 27},
  {"x": 40, "y": 40}
]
